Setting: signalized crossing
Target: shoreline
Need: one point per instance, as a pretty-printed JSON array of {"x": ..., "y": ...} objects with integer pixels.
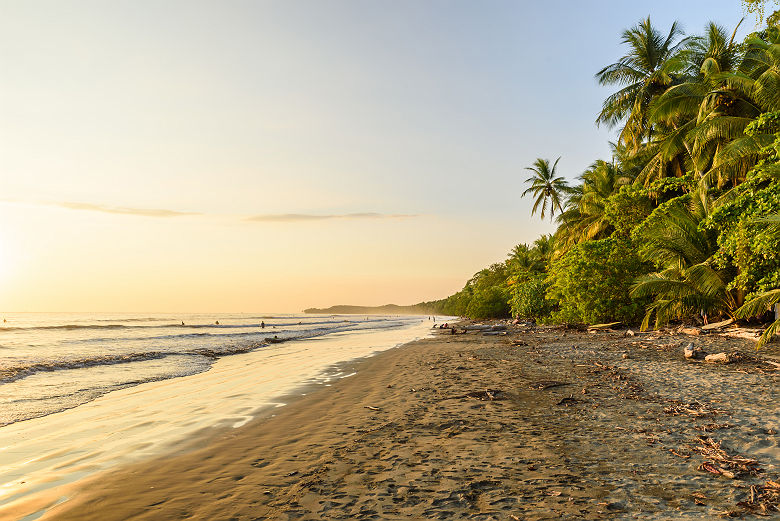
[
  {"x": 536, "y": 424},
  {"x": 45, "y": 459}
]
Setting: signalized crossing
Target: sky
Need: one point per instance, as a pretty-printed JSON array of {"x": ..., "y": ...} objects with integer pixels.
[{"x": 268, "y": 156}]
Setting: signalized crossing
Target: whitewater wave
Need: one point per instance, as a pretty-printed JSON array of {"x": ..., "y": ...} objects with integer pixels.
[{"x": 258, "y": 325}]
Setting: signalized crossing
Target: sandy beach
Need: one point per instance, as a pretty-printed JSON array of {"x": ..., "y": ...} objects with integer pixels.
[{"x": 540, "y": 423}]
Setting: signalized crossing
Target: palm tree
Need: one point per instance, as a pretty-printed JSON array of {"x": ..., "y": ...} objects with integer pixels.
[
  {"x": 684, "y": 113},
  {"x": 584, "y": 217},
  {"x": 762, "y": 302},
  {"x": 650, "y": 67},
  {"x": 543, "y": 248},
  {"x": 547, "y": 188},
  {"x": 757, "y": 86},
  {"x": 758, "y": 306},
  {"x": 686, "y": 283},
  {"x": 526, "y": 262}
]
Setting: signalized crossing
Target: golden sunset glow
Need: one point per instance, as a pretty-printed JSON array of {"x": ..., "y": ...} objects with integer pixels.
[{"x": 226, "y": 162}]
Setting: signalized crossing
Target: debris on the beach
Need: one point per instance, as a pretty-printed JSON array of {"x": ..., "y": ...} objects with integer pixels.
[
  {"x": 485, "y": 327},
  {"x": 717, "y": 325},
  {"x": 693, "y": 409},
  {"x": 748, "y": 333},
  {"x": 569, "y": 400},
  {"x": 543, "y": 385},
  {"x": 712, "y": 427},
  {"x": 693, "y": 352},
  {"x": 707, "y": 467},
  {"x": 763, "y": 499},
  {"x": 693, "y": 331},
  {"x": 721, "y": 462},
  {"x": 372, "y": 407},
  {"x": 625, "y": 356},
  {"x": 603, "y": 326},
  {"x": 487, "y": 394},
  {"x": 629, "y": 332},
  {"x": 679, "y": 454},
  {"x": 722, "y": 358}
]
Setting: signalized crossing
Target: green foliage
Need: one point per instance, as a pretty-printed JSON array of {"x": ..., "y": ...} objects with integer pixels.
[
  {"x": 685, "y": 217},
  {"x": 668, "y": 188},
  {"x": 529, "y": 299},
  {"x": 685, "y": 283},
  {"x": 489, "y": 302},
  {"x": 584, "y": 217},
  {"x": 759, "y": 305},
  {"x": 590, "y": 282},
  {"x": 758, "y": 7},
  {"x": 627, "y": 208},
  {"x": 546, "y": 187},
  {"x": 745, "y": 242}
]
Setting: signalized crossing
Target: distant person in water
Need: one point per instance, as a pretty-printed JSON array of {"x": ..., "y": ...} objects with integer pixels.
[
  {"x": 182, "y": 322},
  {"x": 217, "y": 322},
  {"x": 262, "y": 325}
]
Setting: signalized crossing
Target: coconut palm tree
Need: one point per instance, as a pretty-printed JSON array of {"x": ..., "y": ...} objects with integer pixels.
[
  {"x": 543, "y": 249},
  {"x": 758, "y": 306},
  {"x": 546, "y": 187},
  {"x": 676, "y": 112},
  {"x": 651, "y": 66},
  {"x": 687, "y": 283},
  {"x": 584, "y": 217},
  {"x": 757, "y": 86}
]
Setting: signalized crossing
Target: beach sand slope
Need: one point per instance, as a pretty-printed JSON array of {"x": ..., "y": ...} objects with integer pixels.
[{"x": 536, "y": 424}]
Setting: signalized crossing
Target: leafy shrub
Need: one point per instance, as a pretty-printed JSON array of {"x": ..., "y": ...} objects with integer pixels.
[
  {"x": 591, "y": 282},
  {"x": 489, "y": 302},
  {"x": 529, "y": 299}
]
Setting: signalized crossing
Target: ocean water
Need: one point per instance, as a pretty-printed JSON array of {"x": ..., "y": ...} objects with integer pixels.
[
  {"x": 53, "y": 362},
  {"x": 83, "y": 393}
]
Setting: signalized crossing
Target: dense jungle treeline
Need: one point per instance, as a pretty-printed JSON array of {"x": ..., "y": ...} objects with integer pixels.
[{"x": 683, "y": 221}]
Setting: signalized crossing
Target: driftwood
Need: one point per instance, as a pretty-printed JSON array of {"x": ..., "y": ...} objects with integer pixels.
[
  {"x": 603, "y": 326},
  {"x": 717, "y": 325},
  {"x": 693, "y": 352},
  {"x": 485, "y": 327},
  {"x": 723, "y": 358},
  {"x": 721, "y": 462}
]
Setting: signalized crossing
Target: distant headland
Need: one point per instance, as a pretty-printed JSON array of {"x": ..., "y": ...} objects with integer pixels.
[{"x": 387, "y": 309}]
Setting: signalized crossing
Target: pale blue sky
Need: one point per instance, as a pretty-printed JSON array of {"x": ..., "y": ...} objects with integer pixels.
[{"x": 428, "y": 109}]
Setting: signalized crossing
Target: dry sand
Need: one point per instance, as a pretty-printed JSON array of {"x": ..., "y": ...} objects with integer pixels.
[{"x": 537, "y": 424}]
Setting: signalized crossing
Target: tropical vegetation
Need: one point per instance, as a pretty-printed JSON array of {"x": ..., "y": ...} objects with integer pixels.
[{"x": 682, "y": 222}]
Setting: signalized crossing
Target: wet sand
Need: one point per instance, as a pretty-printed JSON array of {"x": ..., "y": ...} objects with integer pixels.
[{"x": 536, "y": 424}]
